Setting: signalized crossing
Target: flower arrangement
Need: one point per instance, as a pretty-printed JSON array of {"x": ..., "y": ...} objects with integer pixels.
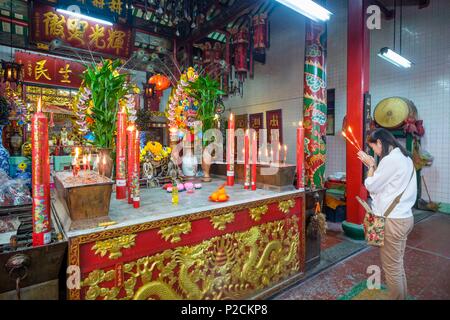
[
  {"x": 182, "y": 108},
  {"x": 154, "y": 151},
  {"x": 102, "y": 92}
]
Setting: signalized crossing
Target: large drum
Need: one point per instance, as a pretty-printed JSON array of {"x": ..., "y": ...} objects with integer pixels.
[{"x": 392, "y": 112}]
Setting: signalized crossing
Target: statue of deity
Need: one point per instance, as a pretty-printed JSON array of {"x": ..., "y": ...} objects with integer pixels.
[{"x": 64, "y": 134}]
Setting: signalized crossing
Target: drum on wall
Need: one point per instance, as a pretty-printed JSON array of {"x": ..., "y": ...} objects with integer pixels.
[{"x": 392, "y": 112}]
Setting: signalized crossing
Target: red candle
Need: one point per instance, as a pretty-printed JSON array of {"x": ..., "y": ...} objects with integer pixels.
[
  {"x": 254, "y": 160},
  {"x": 230, "y": 152},
  {"x": 246, "y": 160},
  {"x": 121, "y": 147},
  {"x": 136, "y": 169},
  {"x": 84, "y": 164},
  {"x": 131, "y": 134},
  {"x": 300, "y": 155},
  {"x": 40, "y": 178}
]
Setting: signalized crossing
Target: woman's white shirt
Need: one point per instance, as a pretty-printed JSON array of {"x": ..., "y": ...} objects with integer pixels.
[{"x": 389, "y": 180}]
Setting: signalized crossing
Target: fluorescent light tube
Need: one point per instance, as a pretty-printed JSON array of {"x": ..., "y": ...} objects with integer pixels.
[
  {"x": 82, "y": 16},
  {"x": 308, "y": 8},
  {"x": 394, "y": 58}
]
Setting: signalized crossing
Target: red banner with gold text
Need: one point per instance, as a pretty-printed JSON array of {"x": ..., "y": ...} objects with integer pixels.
[
  {"x": 47, "y": 24},
  {"x": 43, "y": 69}
]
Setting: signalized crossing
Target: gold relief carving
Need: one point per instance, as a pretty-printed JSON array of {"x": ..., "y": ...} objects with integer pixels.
[
  {"x": 181, "y": 219},
  {"x": 219, "y": 222},
  {"x": 258, "y": 212},
  {"x": 231, "y": 266},
  {"x": 114, "y": 246},
  {"x": 286, "y": 206},
  {"x": 174, "y": 232}
]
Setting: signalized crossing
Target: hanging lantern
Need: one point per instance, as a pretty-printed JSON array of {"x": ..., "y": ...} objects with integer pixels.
[
  {"x": 11, "y": 71},
  {"x": 260, "y": 32},
  {"x": 240, "y": 42},
  {"x": 161, "y": 82},
  {"x": 149, "y": 90}
]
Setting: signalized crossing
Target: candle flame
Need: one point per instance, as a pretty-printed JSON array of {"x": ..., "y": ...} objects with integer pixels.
[
  {"x": 39, "y": 107},
  {"x": 285, "y": 147},
  {"x": 231, "y": 116},
  {"x": 131, "y": 127},
  {"x": 300, "y": 123},
  {"x": 123, "y": 109}
]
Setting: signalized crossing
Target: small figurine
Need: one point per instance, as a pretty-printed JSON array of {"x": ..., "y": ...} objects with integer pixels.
[{"x": 64, "y": 134}]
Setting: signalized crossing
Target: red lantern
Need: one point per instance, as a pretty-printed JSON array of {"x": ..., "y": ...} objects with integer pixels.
[
  {"x": 240, "y": 42},
  {"x": 260, "y": 32},
  {"x": 161, "y": 82}
]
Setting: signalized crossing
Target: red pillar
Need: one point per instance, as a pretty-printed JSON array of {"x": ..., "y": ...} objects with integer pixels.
[{"x": 358, "y": 70}]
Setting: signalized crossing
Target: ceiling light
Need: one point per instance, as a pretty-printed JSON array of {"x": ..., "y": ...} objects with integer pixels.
[
  {"x": 394, "y": 58},
  {"x": 82, "y": 16},
  {"x": 308, "y": 8}
]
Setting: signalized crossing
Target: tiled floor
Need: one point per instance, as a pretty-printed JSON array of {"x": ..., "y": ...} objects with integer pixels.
[{"x": 427, "y": 264}]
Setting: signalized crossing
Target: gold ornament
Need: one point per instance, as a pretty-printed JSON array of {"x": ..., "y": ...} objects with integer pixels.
[
  {"x": 286, "y": 206},
  {"x": 219, "y": 222},
  {"x": 258, "y": 212},
  {"x": 114, "y": 246},
  {"x": 231, "y": 266},
  {"x": 175, "y": 232}
]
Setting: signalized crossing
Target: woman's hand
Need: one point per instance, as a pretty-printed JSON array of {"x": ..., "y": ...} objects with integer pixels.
[{"x": 366, "y": 159}]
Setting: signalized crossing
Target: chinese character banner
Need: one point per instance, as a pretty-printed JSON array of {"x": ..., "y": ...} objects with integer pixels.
[
  {"x": 47, "y": 24},
  {"x": 274, "y": 121},
  {"x": 49, "y": 70},
  {"x": 103, "y": 9},
  {"x": 256, "y": 122}
]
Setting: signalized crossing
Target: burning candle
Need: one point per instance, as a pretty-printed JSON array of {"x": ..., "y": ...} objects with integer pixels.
[
  {"x": 84, "y": 163},
  {"x": 279, "y": 152},
  {"x": 121, "y": 149},
  {"x": 254, "y": 160},
  {"x": 300, "y": 155},
  {"x": 230, "y": 152},
  {"x": 75, "y": 165},
  {"x": 131, "y": 155},
  {"x": 246, "y": 160},
  {"x": 136, "y": 169},
  {"x": 285, "y": 153},
  {"x": 40, "y": 179}
]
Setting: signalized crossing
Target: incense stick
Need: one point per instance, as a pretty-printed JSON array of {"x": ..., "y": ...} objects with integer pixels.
[
  {"x": 354, "y": 139},
  {"x": 351, "y": 142}
]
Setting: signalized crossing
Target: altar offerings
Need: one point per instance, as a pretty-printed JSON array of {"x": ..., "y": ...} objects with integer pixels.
[{"x": 86, "y": 196}]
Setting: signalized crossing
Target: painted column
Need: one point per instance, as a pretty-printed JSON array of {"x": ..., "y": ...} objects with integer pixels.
[
  {"x": 315, "y": 104},
  {"x": 358, "y": 71}
]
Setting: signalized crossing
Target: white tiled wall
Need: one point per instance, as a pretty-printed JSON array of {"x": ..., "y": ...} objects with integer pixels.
[{"x": 425, "y": 40}]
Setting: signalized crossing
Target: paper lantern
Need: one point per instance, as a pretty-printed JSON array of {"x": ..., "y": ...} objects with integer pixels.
[{"x": 161, "y": 82}]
